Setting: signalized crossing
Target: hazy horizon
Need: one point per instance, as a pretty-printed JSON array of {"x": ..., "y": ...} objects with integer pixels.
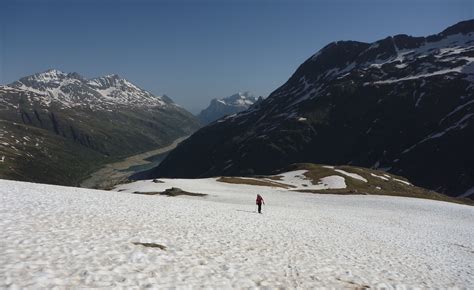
[{"x": 194, "y": 51}]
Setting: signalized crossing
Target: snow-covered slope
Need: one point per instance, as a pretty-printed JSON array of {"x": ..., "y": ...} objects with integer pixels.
[
  {"x": 70, "y": 237},
  {"x": 219, "y": 108}
]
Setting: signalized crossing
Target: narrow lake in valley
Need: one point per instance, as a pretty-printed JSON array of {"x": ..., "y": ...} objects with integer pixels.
[{"x": 118, "y": 172}]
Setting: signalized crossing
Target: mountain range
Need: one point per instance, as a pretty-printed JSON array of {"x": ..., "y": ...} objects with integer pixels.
[
  {"x": 57, "y": 127},
  {"x": 233, "y": 104},
  {"x": 402, "y": 104}
]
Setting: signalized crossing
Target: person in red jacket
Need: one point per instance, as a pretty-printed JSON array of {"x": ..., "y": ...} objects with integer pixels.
[{"x": 259, "y": 202}]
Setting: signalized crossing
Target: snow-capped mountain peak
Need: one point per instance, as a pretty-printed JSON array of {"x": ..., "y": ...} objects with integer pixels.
[
  {"x": 219, "y": 108},
  {"x": 46, "y": 77},
  {"x": 244, "y": 99},
  {"x": 50, "y": 74},
  {"x": 72, "y": 90},
  {"x": 56, "y": 125},
  {"x": 393, "y": 59},
  {"x": 112, "y": 80}
]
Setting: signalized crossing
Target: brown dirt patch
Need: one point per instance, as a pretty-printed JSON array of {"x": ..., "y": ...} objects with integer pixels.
[
  {"x": 257, "y": 182},
  {"x": 174, "y": 191},
  {"x": 150, "y": 245}
]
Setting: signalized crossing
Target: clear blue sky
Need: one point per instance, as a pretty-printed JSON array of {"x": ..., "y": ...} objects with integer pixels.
[{"x": 197, "y": 50}]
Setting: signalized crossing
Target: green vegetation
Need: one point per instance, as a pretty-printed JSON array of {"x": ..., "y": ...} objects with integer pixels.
[
  {"x": 253, "y": 181},
  {"x": 64, "y": 146},
  {"x": 378, "y": 182},
  {"x": 375, "y": 185},
  {"x": 150, "y": 245},
  {"x": 174, "y": 191},
  {"x": 36, "y": 155}
]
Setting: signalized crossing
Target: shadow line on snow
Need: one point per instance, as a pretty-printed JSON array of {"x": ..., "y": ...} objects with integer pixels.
[{"x": 246, "y": 211}]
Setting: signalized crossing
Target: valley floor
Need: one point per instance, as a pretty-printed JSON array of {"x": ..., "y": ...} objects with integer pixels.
[
  {"x": 62, "y": 236},
  {"x": 117, "y": 172}
]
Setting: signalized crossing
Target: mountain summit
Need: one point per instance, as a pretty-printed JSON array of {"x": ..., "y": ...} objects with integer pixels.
[
  {"x": 56, "y": 127},
  {"x": 402, "y": 104},
  {"x": 219, "y": 108},
  {"x": 72, "y": 90}
]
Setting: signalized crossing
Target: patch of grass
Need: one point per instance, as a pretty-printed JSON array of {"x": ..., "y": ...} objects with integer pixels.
[
  {"x": 373, "y": 186},
  {"x": 344, "y": 191},
  {"x": 257, "y": 182},
  {"x": 315, "y": 172},
  {"x": 174, "y": 191},
  {"x": 112, "y": 183},
  {"x": 274, "y": 177},
  {"x": 425, "y": 194},
  {"x": 150, "y": 245}
]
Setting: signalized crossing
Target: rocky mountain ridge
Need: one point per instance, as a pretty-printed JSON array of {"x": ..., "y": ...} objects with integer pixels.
[
  {"x": 402, "y": 104},
  {"x": 73, "y": 125},
  {"x": 72, "y": 90},
  {"x": 233, "y": 104}
]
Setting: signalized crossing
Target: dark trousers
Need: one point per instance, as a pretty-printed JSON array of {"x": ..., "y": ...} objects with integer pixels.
[{"x": 259, "y": 207}]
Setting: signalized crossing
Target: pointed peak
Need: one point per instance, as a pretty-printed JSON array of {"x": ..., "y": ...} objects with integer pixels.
[
  {"x": 239, "y": 95},
  {"x": 47, "y": 76},
  {"x": 112, "y": 76},
  {"x": 338, "y": 48},
  {"x": 240, "y": 98},
  {"x": 51, "y": 73}
]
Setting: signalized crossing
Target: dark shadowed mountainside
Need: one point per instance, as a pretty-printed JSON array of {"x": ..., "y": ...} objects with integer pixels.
[
  {"x": 57, "y": 127},
  {"x": 402, "y": 104}
]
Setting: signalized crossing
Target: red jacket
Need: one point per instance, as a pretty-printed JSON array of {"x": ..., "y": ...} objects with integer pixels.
[{"x": 259, "y": 200}]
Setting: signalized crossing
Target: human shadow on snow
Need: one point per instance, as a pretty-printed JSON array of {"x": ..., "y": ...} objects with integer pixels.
[{"x": 246, "y": 210}]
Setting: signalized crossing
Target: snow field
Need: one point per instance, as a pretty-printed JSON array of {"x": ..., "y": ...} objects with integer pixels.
[
  {"x": 299, "y": 181},
  {"x": 70, "y": 237},
  {"x": 352, "y": 175}
]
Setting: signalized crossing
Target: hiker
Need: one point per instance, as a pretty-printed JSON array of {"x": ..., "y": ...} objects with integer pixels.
[{"x": 259, "y": 202}]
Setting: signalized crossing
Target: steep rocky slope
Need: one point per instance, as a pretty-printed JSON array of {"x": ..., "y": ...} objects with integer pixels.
[
  {"x": 402, "y": 104},
  {"x": 56, "y": 127}
]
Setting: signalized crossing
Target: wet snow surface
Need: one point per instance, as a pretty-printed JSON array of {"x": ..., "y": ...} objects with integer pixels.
[
  {"x": 297, "y": 180},
  {"x": 60, "y": 236}
]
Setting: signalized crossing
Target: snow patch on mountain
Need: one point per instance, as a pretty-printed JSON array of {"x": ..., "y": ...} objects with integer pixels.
[
  {"x": 459, "y": 125},
  {"x": 352, "y": 175},
  {"x": 468, "y": 192},
  {"x": 297, "y": 180}
]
